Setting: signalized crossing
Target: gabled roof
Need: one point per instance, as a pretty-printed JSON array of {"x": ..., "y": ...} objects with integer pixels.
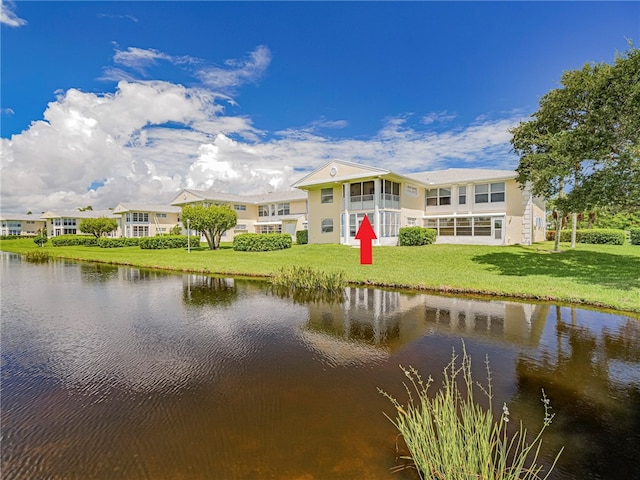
[
  {"x": 461, "y": 175},
  {"x": 354, "y": 171},
  {"x": 78, "y": 214},
  {"x": 145, "y": 207},
  {"x": 15, "y": 217},
  {"x": 209, "y": 196}
]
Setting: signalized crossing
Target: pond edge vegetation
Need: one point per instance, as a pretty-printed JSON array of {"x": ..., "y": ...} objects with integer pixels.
[
  {"x": 589, "y": 276},
  {"x": 450, "y": 436}
]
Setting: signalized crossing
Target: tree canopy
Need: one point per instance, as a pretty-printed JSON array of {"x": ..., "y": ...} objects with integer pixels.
[
  {"x": 98, "y": 226},
  {"x": 584, "y": 140},
  {"x": 212, "y": 221}
]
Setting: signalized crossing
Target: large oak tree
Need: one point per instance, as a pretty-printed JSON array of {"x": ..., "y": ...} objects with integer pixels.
[{"x": 582, "y": 147}]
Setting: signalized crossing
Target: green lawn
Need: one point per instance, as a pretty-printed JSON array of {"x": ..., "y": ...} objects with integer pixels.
[{"x": 596, "y": 275}]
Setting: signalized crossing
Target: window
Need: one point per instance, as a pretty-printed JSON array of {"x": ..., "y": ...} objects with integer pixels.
[
  {"x": 161, "y": 215},
  {"x": 447, "y": 227},
  {"x": 463, "y": 227},
  {"x": 355, "y": 219},
  {"x": 431, "y": 223},
  {"x": 140, "y": 217},
  {"x": 241, "y": 226},
  {"x": 390, "y": 194},
  {"x": 326, "y": 195},
  {"x": 361, "y": 195},
  {"x": 283, "y": 209},
  {"x": 241, "y": 208},
  {"x": 263, "y": 210},
  {"x": 269, "y": 228},
  {"x": 327, "y": 225},
  {"x": 411, "y": 190},
  {"x": 482, "y": 226},
  {"x": 411, "y": 221},
  {"x": 482, "y": 193},
  {"x": 462, "y": 195},
  {"x": 438, "y": 196},
  {"x": 497, "y": 192},
  {"x": 493, "y": 192},
  {"x": 390, "y": 224},
  {"x": 140, "y": 231}
]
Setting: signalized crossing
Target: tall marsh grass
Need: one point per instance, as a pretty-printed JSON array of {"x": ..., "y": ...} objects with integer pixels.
[
  {"x": 450, "y": 436},
  {"x": 37, "y": 256},
  {"x": 308, "y": 283}
]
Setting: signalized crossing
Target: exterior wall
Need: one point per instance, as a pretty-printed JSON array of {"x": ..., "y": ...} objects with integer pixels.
[
  {"x": 319, "y": 211},
  {"x": 21, "y": 226}
]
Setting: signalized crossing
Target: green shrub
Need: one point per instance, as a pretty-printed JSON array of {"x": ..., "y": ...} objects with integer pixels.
[
  {"x": 302, "y": 237},
  {"x": 261, "y": 242},
  {"x": 416, "y": 236},
  {"x": 74, "y": 240},
  {"x": 634, "y": 235},
  {"x": 166, "y": 241},
  {"x": 12, "y": 237},
  {"x": 107, "y": 242},
  {"x": 602, "y": 236},
  {"x": 40, "y": 240},
  {"x": 452, "y": 436}
]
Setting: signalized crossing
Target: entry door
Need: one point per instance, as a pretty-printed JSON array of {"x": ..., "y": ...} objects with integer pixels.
[
  {"x": 290, "y": 228},
  {"x": 497, "y": 228}
]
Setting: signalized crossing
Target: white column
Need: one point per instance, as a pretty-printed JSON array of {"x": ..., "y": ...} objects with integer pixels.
[{"x": 377, "y": 190}]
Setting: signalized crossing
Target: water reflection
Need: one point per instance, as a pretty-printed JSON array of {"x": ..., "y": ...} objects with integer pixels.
[{"x": 118, "y": 372}]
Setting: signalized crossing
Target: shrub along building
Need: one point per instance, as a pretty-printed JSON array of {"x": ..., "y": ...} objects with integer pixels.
[
  {"x": 473, "y": 206},
  {"x": 274, "y": 212}
]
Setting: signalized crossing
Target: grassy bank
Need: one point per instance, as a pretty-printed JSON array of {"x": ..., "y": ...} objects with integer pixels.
[{"x": 597, "y": 275}]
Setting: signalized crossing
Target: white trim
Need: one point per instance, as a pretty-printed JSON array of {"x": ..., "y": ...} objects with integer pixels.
[{"x": 450, "y": 215}]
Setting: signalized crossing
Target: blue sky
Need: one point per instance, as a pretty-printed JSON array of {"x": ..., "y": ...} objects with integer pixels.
[{"x": 107, "y": 102}]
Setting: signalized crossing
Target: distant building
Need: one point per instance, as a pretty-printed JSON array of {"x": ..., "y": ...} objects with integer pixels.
[
  {"x": 275, "y": 212},
  {"x": 146, "y": 220},
  {"x": 20, "y": 224},
  {"x": 466, "y": 206},
  {"x": 67, "y": 222}
]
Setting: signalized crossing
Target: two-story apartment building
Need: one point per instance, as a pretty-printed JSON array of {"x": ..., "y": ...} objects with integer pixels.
[
  {"x": 146, "y": 220},
  {"x": 20, "y": 224},
  {"x": 475, "y": 206},
  {"x": 67, "y": 222},
  {"x": 274, "y": 212}
]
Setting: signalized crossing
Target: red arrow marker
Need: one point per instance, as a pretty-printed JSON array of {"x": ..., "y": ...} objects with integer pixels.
[{"x": 366, "y": 235}]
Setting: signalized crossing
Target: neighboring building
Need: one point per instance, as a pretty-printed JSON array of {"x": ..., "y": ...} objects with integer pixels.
[
  {"x": 473, "y": 206},
  {"x": 67, "y": 222},
  {"x": 274, "y": 212},
  {"x": 16, "y": 224},
  {"x": 145, "y": 220}
]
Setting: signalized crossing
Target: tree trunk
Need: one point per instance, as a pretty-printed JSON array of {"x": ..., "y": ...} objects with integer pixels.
[
  {"x": 574, "y": 227},
  {"x": 556, "y": 247}
]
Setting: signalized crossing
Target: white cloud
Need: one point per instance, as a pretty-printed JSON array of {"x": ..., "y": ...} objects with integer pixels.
[
  {"x": 148, "y": 139},
  {"x": 8, "y": 16}
]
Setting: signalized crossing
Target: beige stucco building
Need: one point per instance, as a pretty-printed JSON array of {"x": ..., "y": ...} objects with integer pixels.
[
  {"x": 146, "y": 220},
  {"x": 274, "y": 212},
  {"x": 17, "y": 224},
  {"x": 467, "y": 206}
]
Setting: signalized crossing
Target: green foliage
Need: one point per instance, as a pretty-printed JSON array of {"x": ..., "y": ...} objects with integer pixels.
[
  {"x": 308, "y": 283},
  {"x": 212, "y": 221},
  {"x": 166, "y": 241},
  {"x": 584, "y": 137},
  {"x": 98, "y": 226},
  {"x": 634, "y": 235},
  {"x": 74, "y": 240},
  {"x": 451, "y": 436},
  {"x": 12, "y": 237},
  {"x": 40, "y": 240},
  {"x": 302, "y": 237},
  {"x": 37, "y": 256},
  {"x": 261, "y": 242},
  {"x": 108, "y": 242},
  {"x": 176, "y": 230},
  {"x": 416, "y": 236},
  {"x": 596, "y": 236},
  {"x": 618, "y": 220}
]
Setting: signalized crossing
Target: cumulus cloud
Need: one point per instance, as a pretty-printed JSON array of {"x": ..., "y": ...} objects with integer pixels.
[
  {"x": 8, "y": 16},
  {"x": 148, "y": 139}
]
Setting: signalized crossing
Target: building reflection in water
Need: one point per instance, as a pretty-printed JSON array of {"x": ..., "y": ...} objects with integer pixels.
[{"x": 390, "y": 319}]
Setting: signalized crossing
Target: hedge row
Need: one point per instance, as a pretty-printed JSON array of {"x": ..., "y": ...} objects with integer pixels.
[
  {"x": 302, "y": 237},
  {"x": 603, "y": 236},
  {"x": 416, "y": 236},
  {"x": 74, "y": 240},
  {"x": 634, "y": 234},
  {"x": 167, "y": 241},
  {"x": 108, "y": 242},
  {"x": 261, "y": 242}
]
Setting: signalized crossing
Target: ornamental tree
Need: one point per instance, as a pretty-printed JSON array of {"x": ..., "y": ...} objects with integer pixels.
[
  {"x": 98, "y": 226},
  {"x": 212, "y": 221}
]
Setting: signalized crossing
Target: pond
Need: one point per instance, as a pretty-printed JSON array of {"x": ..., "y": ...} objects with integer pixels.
[{"x": 116, "y": 372}]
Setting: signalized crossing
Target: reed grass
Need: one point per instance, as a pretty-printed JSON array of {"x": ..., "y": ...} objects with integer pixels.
[
  {"x": 37, "y": 256},
  {"x": 309, "y": 283},
  {"x": 451, "y": 436}
]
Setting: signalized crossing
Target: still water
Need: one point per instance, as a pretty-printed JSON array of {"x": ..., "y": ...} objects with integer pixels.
[{"x": 120, "y": 373}]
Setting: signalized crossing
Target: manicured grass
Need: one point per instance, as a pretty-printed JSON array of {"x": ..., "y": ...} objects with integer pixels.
[{"x": 598, "y": 275}]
